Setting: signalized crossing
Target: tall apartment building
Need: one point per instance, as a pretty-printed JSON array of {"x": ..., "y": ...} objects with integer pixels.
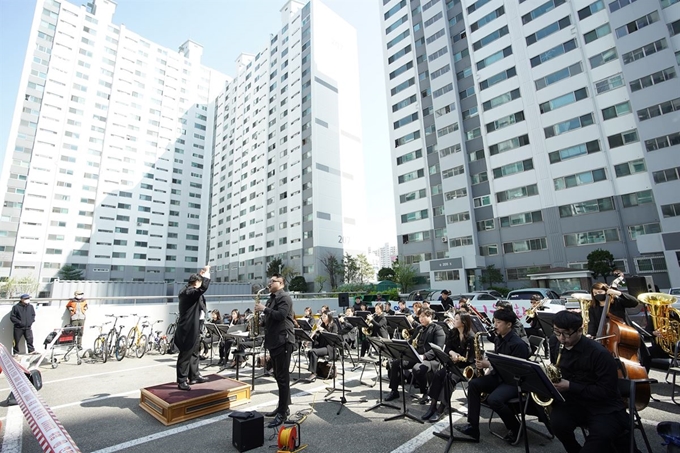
[
  {"x": 527, "y": 134},
  {"x": 384, "y": 254},
  {"x": 287, "y": 174},
  {"x": 109, "y": 146}
]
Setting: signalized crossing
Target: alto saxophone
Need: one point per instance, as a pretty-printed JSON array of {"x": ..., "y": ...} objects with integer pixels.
[
  {"x": 255, "y": 320},
  {"x": 554, "y": 374},
  {"x": 472, "y": 371}
]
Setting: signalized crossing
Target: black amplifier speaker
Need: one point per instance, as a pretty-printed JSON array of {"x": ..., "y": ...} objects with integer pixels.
[
  {"x": 248, "y": 433},
  {"x": 343, "y": 300}
]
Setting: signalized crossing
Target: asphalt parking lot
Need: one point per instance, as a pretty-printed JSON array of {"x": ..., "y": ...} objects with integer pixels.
[{"x": 98, "y": 404}]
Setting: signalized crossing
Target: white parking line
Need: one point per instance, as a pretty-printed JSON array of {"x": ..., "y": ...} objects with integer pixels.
[{"x": 14, "y": 427}]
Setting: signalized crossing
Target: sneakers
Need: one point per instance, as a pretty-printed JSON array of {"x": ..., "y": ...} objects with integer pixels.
[
  {"x": 468, "y": 430},
  {"x": 393, "y": 395}
]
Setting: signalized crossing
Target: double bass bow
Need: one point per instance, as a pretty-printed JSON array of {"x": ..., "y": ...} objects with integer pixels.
[{"x": 623, "y": 342}]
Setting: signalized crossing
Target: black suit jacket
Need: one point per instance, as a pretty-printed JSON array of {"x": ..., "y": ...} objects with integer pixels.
[
  {"x": 191, "y": 302},
  {"x": 278, "y": 322},
  {"x": 380, "y": 326},
  {"x": 433, "y": 333}
]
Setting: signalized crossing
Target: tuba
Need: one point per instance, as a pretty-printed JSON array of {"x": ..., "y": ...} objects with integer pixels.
[
  {"x": 554, "y": 374},
  {"x": 665, "y": 318},
  {"x": 584, "y": 301}
]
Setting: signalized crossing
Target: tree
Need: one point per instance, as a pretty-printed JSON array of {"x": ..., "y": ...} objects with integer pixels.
[
  {"x": 274, "y": 267},
  {"x": 298, "y": 283},
  {"x": 404, "y": 274},
  {"x": 68, "y": 272},
  {"x": 333, "y": 268},
  {"x": 600, "y": 263},
  {"x": 350, "y": 269},
  {"x": 289, "y": 273},
  {"x": 366, "y": 271},
  {"x": 491, "y": 275},
  {"x": 321, "y": 279},
  {"x": 14, "y": 286},
  {"x": 386, "y": 273}
]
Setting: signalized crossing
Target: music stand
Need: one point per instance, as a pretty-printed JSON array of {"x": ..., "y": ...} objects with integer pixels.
[
  {"x": 335, "y": 340},
  {"x": 304, "y": 324},
  {"x": 402, "y": 350},
  {"x": 301, "y": 337},
  {"x": 358, "y": 323},
  {"x": 398, "y": 323},
  {"x": 545, "y": 320},
  {"x": 528, "y": 377},
  {"x": 214, "y": 332},
  {"x": 380, "y": 345},
  {"x": 477, "y": 324},
  {"x": 451, "y": 370},
  {"x": 362, "y": 313}
]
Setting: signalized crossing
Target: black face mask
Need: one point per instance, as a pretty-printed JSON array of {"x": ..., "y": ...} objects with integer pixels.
[{"x": 600, "y": 297}]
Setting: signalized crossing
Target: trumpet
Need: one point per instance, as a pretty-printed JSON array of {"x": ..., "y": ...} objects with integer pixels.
[
  {"x": 532, "y": 311},
  {"x": 368, "y": 331}
]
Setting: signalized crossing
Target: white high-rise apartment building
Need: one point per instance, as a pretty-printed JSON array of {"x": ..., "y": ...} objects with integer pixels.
[
  {"x": 527, "y": 134},
  {"x": 109, "y": 147},
  {"x": 287, "y": 177}
]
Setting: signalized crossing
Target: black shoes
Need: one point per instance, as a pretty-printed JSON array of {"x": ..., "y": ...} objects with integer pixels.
[
  {"x": 278, "y": 420},
  {"x": 511, "y": 437},
  {"x": 468, "y": 430},
  {"x": 183, "y": 386},
  {"x": 222, "y": 362},
  {"x": 424, "y": 400},
  {"x": 393, "y": 395},
  {"x": 275, "y": 413},
  {"x": 430, "y": 412},
  {"x": 199, "y": 380}
]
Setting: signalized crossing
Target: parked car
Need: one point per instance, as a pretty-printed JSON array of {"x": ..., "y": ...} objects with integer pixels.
[
  {"x": 424, "y": 293},
  {"x": 526, "y": 293},
  {"x": 674, "y": 291},
  {"x": 570, "y": 292}
]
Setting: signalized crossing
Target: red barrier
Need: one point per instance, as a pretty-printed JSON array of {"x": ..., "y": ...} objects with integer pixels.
[{"x": 45, "y": 426}]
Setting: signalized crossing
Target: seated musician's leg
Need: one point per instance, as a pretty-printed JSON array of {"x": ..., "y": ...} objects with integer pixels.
[
  {"x": 498, "y": 401},
  {"x": 477, "y": 386},
  {"x": 607, "y": 432},
  {"x": 436, "y": 393},
  {"x": 564, "y": 419}
]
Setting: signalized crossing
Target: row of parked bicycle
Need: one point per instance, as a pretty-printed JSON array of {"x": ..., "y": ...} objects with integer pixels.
[{"x": 141, "y": 338}]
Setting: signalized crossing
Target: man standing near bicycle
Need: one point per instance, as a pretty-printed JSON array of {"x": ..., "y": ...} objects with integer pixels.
[
  {"x": 77, "y": 308},
  {"x": 188, "y": 334}
]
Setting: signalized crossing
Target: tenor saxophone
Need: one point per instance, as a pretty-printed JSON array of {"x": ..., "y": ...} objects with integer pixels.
[
  {"x": 255, "y": 327},
  {"x": 554, "y": 374}
]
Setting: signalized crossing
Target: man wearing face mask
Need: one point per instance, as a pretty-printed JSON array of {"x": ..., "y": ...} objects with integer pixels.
[
  {"x": 77, "y": 308},
  {"x": 617, "y": 307}
]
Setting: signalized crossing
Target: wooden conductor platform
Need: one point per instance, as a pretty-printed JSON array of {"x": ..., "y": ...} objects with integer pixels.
[{"x": 169, "y": 405}]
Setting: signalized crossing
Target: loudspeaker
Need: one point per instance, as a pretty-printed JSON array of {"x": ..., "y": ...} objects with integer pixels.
[
  {"x": 248, "y": 433},
  {"x": 637, "y": 285},
  {"x": 343, "y": 300}
]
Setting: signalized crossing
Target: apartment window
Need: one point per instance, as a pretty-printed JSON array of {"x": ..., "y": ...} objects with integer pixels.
[
  {"x": 553, "y": 53},
  {"x": 445, "y": 89},
  {"x": 669, "y": 174},
  {"x": 569, "y": 125},
  {"x": 549, "y": 30},
  {"x": 632, "y": 27},
  {"x": 392, "y": 11},
  {"x": 616, "y": 110},
  {"x": 575, "y": 151},
  {"x": 399, "y": 54},
  {"x": 618, "y": 4},
  {"x": 460, "y": 241},
  {"x": 409, "y": 156},
  {"x": 651, "y": 264},
  {"x": 413, "y": 216},
  {"x": 644, "y": 51},
  {"x": 433, "y": 19},
  {"x": 674, "y": 28},
  {"x": 487, "y": 19},
  {"x": 505, "y": 122},
  {"x": 603, "y": 57},
  {"x": 467, "y": 72},
  {"x": 402, "y": 86},
  {"x": 659, "y": 109},
  {"x": 440, "y": 72},
  {"x": 493, "y": 58},
  {"x": 590, "y": 9},
  {"x": 410, "y": 196},
  {"x": 465, "y": 93},
  {"x": 587, "y": 207},
  {"x": 637, "y": 198},
  {"x": 406, "y": 120},
  {"x": 608, "y": 84},
  {"x": 591, "y": 237},
  {"x": 484, "y": 200},
  {"x": 525, "y": 246},
  {"x": 498, "y": 78},
  {"x": 455, "y": 194},
  {"x": 488, "y": 250},
  {"x": 513, "y": 168},
  {"x": 517, "y": 193},
  {"x": 398, "y": 39},
  {"x": 439, "y": 53},
  {"x": 491, "y": 37},
  {"x": 521, "y": 273},
  {"x": 629, "y": 168},
  {"x": 436, "y": 36},
  {"x": 598, "y": 33},
  {"x": 502, "y": 99},
  {"x": 406, "y": 139},
  {"x": 524, "y": 218},
  {"x": 670, "y": 210},
  {"x": 401, "y": 70},
  {"x": 458, "y": 217},
  {"x": 652, "y": 79},
  {"x": 662, "y": 142},
  {"x": 563, "y": 100},
  {"x": 442, "y": 276},
  {"x": 411, "y": 176},
  {"x": 507, "y": 145},
  {"x": 623, "y": 138},
  {"x": 580, "y": 179},
  {"x": 558, "y": 76},
  {"x": 406, "y": 102},
  {"x": 444, "y": 110},
  {"x": 447, "y": 130},
  {"x": 541, "y": 10}
]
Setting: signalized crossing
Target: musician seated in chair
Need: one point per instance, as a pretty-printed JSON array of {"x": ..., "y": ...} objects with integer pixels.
[
  {"x": 499, "y": 393},
  {"x": 428, "y": 332},
  {"x": 345, "y": 328},
  {"x": 321, "y": 348},
  {"x": 460, "y": 348},
  {"x": 226, "y": 344},
  {"x": 378, "y": 328},
  {"x": 617, "y": 306},
  {"x": 589, "y": 386}
]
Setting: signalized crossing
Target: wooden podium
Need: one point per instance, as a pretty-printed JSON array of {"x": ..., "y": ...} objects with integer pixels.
[{"x": 169, "y": 405}]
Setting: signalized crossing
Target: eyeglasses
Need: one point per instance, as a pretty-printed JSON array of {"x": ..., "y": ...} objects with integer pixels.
[{"x": 564, "y": 334}]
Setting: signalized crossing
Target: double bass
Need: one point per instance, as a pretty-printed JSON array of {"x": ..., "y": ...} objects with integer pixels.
[{"x": 623, "y": 341}]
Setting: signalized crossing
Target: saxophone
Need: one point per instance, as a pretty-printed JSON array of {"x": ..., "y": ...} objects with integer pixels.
[
  {"x": 554, "y": 374},
  {"x": 472, "y": 371},
  {"x": 255, "y": 319}
]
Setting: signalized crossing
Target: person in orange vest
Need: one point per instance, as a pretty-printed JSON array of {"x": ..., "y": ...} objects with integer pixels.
[{"x": 77, "y": 306}]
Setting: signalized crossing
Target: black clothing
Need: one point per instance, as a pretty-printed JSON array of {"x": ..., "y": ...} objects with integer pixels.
[
  {"x": 356, "y": 307},
  {"x": 433, "y": 333},
  {"x": 23, "y": 317},
  {"x": 321, "y": 347},
  {"x": 465, "y": 349},
  {"x": 187, "y": 364},
  {"x": 188, "y": 333},
  {"x": 499, "y": 392},
  {"x": 446, "y": 303},
  {"x": 593, "y": 400},
  {"x": 279, "y": 339},
  {"x": 617, "y": 307},
  {"x": 405, "y": 311},
  {"x": 379, "y": 326}
]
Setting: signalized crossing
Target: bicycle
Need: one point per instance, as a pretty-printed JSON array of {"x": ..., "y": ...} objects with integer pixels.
[
  {"x": 156, "y": 341},
  {"x": 136, "y": 339},
  {"x": 99, "y": 349},
  {"x": 170, "y": 333},
  {"x": 116, "y": 343}
]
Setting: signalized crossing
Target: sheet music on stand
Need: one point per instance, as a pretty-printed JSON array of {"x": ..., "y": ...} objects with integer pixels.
[{"x": 304, "y": 324}]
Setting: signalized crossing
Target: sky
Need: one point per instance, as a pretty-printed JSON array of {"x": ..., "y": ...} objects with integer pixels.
[{"x": 225, "y": 29}]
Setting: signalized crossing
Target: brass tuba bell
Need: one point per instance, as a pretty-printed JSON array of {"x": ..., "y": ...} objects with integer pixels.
[
  {"x": 665, "y": 318},
  {"x": 584, "y": 301}
]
